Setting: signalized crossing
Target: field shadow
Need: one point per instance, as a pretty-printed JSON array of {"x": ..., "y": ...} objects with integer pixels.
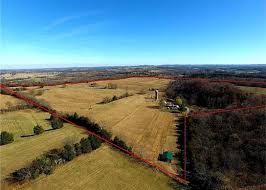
[
  {"x": 154, "y": 107},
  {"x": 49, "y": 129},
  {"x": 31, "y": 135}
]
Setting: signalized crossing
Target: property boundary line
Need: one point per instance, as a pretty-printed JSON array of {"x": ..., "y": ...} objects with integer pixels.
[
  {"x": 131, "y": 154},
  {"x": 226, "y": 110},
  {"x": 185, "y": 148},
  {"x": 138, "y": 76}
]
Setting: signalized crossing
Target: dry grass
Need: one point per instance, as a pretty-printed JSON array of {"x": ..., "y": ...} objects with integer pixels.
[
  {"x": 23, "y": 150},
  {"x": 256, "y": 90},
  {"x": 25, "y": 75},
  {"x": 135, "y": 119},
  {"x": 22, "y": 122},
  {"x": 5, "y": 100},
  {"x": 137, "y": 84},
  {"x": 104, "y": 168}
]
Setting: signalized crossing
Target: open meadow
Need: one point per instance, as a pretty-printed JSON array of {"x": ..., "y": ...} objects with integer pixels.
[
  {"x": 255, "y": 90},
  {"x": 23, "y": 150},
  {"x": 6, "y": 101},
  {"x": 104, "y": 168},
  {"x": 136, "y": 119}
]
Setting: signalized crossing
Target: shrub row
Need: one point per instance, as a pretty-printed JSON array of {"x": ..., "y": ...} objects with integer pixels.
[
  {"x": 94, "y": 127},
  {"x": 114, "y": 98},
  {"x": 88, "y": 124},
  {"x": 46, "y": 163},
  {"x": 15, "y": 108}
]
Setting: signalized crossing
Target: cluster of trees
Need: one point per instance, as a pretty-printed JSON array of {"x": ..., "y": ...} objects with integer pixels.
[
  {"x": 47, "y": 163},
  {"x": 6, "y": 138},
  {"x": 38, "y": 130},
  {"x": 114, "y": 98},
  {"x": 212, "y": 95},
  {"x": 56, "y": 123},
  {"x": 97, "y": 129},
  {"x": 4, "y": 92},
  {"x": 19, "y": 89},
  {"x": 225, "y": 151}
]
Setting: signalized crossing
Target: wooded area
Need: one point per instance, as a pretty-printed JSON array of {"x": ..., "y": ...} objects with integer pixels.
[{"x": 225, "y": 151}]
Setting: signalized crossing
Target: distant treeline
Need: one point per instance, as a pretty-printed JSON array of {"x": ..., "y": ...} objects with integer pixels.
[
  {"x": 258, "y": 77},
  {"x": 225, "y": 151}
]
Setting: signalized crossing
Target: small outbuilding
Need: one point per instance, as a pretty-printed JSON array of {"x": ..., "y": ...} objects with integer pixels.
[{"x": 166, "y": 156}]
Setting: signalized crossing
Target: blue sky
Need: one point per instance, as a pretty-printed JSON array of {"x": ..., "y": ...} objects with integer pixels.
[{"x": 64, "y": 33}]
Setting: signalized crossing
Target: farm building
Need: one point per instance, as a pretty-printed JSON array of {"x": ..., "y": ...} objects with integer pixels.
[{"x": 166, "y": 156}]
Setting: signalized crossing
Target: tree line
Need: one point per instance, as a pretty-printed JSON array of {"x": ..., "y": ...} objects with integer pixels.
[
  {"x": 107, "y": 100},
  {"x": 46, "y": 163},
  {"x": 97, "y": 129}
]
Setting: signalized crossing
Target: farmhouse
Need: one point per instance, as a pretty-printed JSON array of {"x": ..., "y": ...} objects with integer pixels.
[{"x": 172, "y": 106}]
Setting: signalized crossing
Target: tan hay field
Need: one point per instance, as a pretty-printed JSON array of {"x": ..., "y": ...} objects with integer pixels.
[
  {"x": 25, "y": 75},
  {"x": 256, "y": 90},
  {"x": 137, "y": 84},
  {"x": 135, "y": 119},
  {"x": 23, "y": 150},
  {"x": 7, "y": 99},
  {"x": 102, "y": 169}
]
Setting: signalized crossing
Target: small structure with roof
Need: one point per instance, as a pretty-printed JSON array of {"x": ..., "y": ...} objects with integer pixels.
[{"x": 166, "y": 156}]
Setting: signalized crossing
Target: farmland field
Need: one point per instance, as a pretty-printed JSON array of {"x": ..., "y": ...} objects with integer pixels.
[
  {"x": 23, "y": 150},
  {"x": 97, "y": 166},
  {"x": 256, "y": 90},
  {"x": 6, "y": 100},
  {"x": 22, "y": 122},
  {"x": 104, "y": 168},
  {"x": 136, "y": 119}
]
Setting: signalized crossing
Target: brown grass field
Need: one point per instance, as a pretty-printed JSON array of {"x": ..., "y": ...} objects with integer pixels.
[
  {"x": 23, "y": 150},
  {"x": 6, "y": 100},
  {"x": 103, "y": 169},
  {"x": 25, "y": 75},
  {"x": 256, "y": 90},
  {"x": 136, "y": 119}
]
